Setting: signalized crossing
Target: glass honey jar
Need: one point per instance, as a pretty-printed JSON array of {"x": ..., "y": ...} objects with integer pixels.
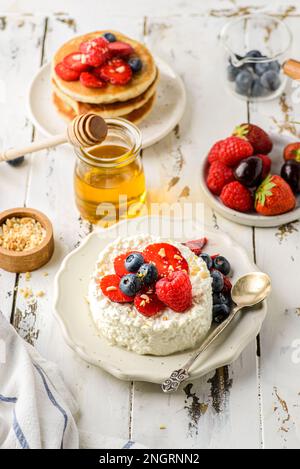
[{"x": 109, "y": 179}]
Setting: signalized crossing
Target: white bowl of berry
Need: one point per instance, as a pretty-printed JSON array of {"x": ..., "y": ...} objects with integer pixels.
[{"x": 253, "y": 178}]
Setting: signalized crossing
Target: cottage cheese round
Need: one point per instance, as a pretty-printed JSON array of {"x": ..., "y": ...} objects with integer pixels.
[{"x": 168, "y": 331}]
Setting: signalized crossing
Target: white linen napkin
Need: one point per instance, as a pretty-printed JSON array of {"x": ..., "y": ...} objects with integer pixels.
[{"x": 36, "y": 409}]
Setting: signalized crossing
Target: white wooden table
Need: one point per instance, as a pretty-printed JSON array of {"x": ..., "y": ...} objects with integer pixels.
[{"x": 253, "y": 403}]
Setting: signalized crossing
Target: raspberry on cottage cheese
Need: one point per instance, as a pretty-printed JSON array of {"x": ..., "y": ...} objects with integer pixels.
[{"x": 167, "y": 331}]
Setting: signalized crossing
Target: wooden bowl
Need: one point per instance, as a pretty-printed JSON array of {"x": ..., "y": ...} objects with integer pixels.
[{"x": 32, "y": 259}]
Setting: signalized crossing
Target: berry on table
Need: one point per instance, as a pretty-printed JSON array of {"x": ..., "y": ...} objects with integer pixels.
[
  {"x": 237, "y": 197},
  {"x": 109, "y": 285},
  {"x": 207, "y": 259},
  {"x": 218, "y": 176},
  {"x": 217, "y": 281},
  {"x": 16, "y": 161},
  {"x": 175, "y": 291},
  {"x": 130, "y": 284},
  {"x": 134, "y": 261},
  {"x": 249, "y": 171},
  {"x": 147, "y": 274},
  {"x": 222, "y": 265},
  {"x": 220, "y": 312},
  {"x": 270, "y": 80},
  {"x": 255, "y": 135},
  {"x": 110, "y": 37},
  {"x": 234, "y": 149},
  {"x": 135, "y": 64},
  {"x": 243, "y": 82}
]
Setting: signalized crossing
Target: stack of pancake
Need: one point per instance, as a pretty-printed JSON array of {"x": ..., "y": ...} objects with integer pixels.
[{"x": 132, "y": 101}]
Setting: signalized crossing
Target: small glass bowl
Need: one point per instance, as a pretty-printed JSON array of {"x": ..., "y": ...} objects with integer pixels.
[{"x": 254, "y": 50}]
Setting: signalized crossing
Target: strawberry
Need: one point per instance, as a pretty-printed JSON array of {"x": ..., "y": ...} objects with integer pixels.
[
  {"x": 66, "y": 73},
  {"x": 76, "y": 61},
  {"x": 227, "y": 286},
  {"x": 109, "y": 285},
  {"x": 258, "y": 138},
  {"x": 119, "y": 263},
  {"x": 292, "y": 152},
  {"x": 175, "y": 291},
  {"x": 213, "y": 154},
  {"x": 218, "y": 176},
  {"x": 98, "y": 43},
  {"x": 116, "y": 71},
  {"x": 274, "y": 196},
  {"x": 165, "y": 257},
  {"x": 91, "y": 81},
  {"x": 196, "y": 245},
  {"x": 148, "y": 304},
  {"x": 267, "y": 163},
  {"x": 236, "y": 196},
  {"x": 234, "y": 149},
  {"x": 119, "y": 49}
]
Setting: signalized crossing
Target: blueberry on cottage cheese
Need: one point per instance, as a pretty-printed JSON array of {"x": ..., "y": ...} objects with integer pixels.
[
  {"x": 130, "y": 284},
  {"x": 148, "y": 274},
  {"x": 207, "y": 259},
  {"x": 134, "y": 261}
]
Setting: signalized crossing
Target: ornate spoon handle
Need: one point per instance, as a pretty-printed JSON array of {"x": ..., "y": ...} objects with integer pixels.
[{"x": 178, "y": 376}]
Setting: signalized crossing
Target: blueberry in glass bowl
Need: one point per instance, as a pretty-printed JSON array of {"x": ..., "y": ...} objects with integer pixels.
[{"x": 255, "y": 47}]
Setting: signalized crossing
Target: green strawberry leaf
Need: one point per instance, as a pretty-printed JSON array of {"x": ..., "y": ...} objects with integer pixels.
[
  {"x": 264, "y": 190},
  {"x": 241, "y": 131}
]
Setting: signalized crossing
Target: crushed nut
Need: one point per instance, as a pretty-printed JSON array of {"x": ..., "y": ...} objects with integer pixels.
[
  {"x": 21, "y": 234},
  {"x": 142, "y": 303},
  {"x": 162, "y": 427},
  {"x": 112, "y": 288},
  {"x": 162, "y": 252},
  {"x": 26, "y": 292},
  {"x": 179, "y": 258},
  {"x": 165, "y": 318},
  {"x": 171, "y": 268},
  {"x": 45, "y": 274},
  {"x": 40, "y": 293},
  {"x": 27, "y": 276},
  {"x": 204, "y": 274},
  {"x": 146, "y": 298}
]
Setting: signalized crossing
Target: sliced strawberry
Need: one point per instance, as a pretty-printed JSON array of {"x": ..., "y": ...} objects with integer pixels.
[
  {"x": 96, "y": 57},
  {"x": 116, "y": 71},
  {"x": 120, "y": 49},
  {"x": 165, "y": 257},
  {"x": 109, "y": 285},
  {"x": 91, "y": 81},
  {"x": 148, "y": 303},
  {"x": 66, "y": 73},
  {"x": 97, "y": 43},
  {"x": 76, "y": 61},
  {"x": 119, "y": 263},
  {"x": 197, "y": 245}
]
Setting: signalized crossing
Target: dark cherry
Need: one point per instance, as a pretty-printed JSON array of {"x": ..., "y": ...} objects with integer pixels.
[
  {"x": 249, "y": 171},
  {"x": 290, "y": 172}
]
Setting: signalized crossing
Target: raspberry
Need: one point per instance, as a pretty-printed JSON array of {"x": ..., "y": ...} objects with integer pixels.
[
  {"x": 148, "y": 304},
  {"x": 175, "y": 291},
  {"x": 236, "y": 196},
  {"x": 218, "y": 176},
  {"x": 116, "y": 71},
  {"x": 166, "y": 258},
  {"x": 91, "y": 81},
  {"x": 267, "y": 163},
  {"x": 227, "y": 286},
  {"x": 196, "y": 245},
  {"x": 66, "y": 73},
  {"x": 213, "y": 154},
  {"x": 76, "y": 61},
  {"x": 234, "y": 149},
  {"x": 110, "y": 288},
  {"x": 120, "y": 49},
  {"x": 119, "y": 263}
]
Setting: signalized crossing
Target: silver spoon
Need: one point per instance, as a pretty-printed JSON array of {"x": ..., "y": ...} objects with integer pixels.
[{"x": 248, "y": 290}]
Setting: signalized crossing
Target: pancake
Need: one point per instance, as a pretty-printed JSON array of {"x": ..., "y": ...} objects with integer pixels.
[
  {"x": 136, "y": 116},
  {"x": 112, "y": 93},
  {"x": 117, "y": 109}
]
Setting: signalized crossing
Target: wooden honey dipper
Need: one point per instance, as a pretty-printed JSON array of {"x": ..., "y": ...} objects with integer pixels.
[{"x": 85, "y": 130}]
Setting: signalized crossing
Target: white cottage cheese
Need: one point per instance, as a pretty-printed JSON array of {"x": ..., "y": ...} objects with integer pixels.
[{"x": 168, "y": 331}]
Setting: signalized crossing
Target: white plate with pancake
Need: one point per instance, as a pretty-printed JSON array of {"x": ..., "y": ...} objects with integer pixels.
[
  {"x": 80, "y": 333},
  {"x": 167, "y": 111}
]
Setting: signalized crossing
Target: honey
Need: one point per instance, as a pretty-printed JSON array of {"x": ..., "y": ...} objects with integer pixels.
[{"x": 109, "y": 179}]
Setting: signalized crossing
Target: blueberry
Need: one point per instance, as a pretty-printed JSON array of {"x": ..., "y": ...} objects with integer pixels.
[
  {"x": 243, "y": 82},
  {"x": 130, "y": 284},
  {"x": 207, "y": 259},
  {"x": 148, "y": 274},
  {"x": 222, "y": 265},
  {"x": 220, "y": 298},
  {"x": 254, "y": 54},
  {"x": 135, "y": 64},
  {"x": 16, "y": 162},
  {"x": 275, "y": 66},
  {"x": 257, "y": 89},
  {"x": 217, "y": 281},
  {"x": 261, "y": 67},
  {"x": 134, "y": 261},
  {"x": 232, "y": 72},
  {"x": 270, "y": 80},
  {"x": 110, "y": 37},
  {"x": 220, "y": 312}
]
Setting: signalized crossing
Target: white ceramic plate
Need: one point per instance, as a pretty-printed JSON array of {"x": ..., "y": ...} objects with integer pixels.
[
  {"x": 253, "y": 219},
  {"x": 166, "y": 113},
  {"x": 72, "y": 311}
]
